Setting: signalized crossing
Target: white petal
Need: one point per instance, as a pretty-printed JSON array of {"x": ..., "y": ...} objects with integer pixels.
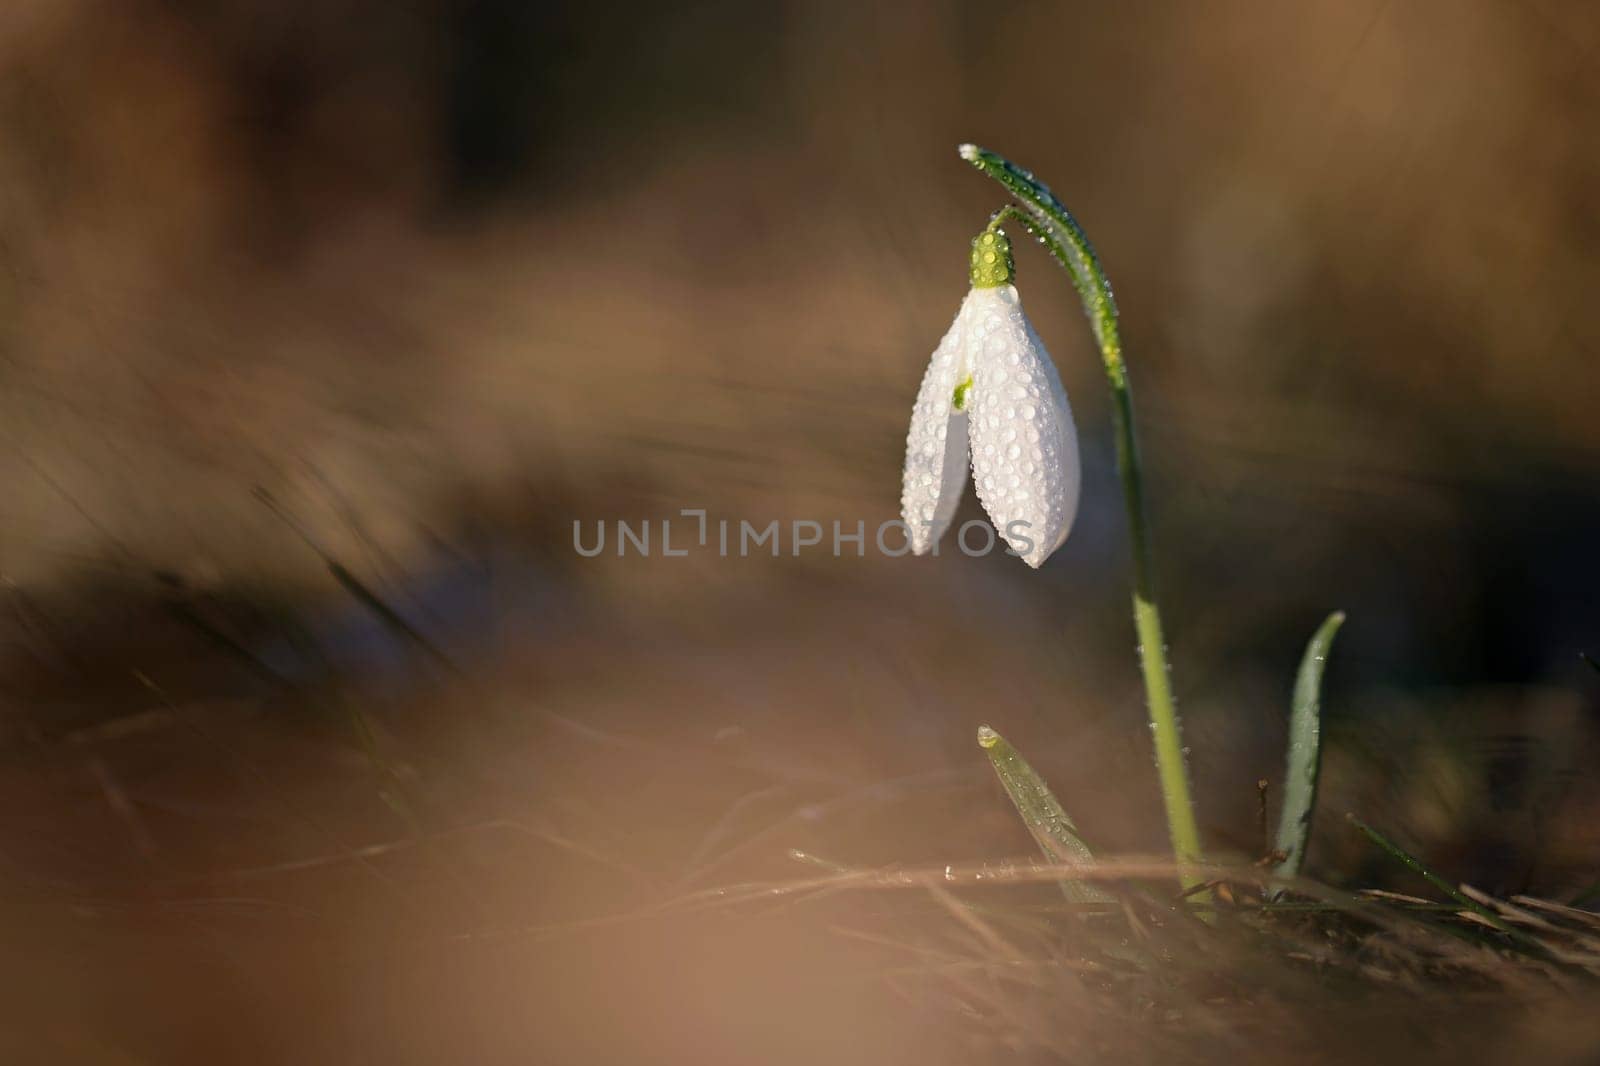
[
  {"x": 936, "y": 446},
  {"x": 1024, "y": 445}
]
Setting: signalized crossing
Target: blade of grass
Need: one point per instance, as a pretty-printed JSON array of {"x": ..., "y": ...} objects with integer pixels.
[
  {"x": 1416, "y": 866},
  {"x": 1514, "y": 938},
  {"x": 1409, "y": 861},
  {"x": 1305, "y": 750},
  {"x": 389, "y": 616},
  {"x": 1042, "y": 813},
  {"x": 358, "y": 590}
]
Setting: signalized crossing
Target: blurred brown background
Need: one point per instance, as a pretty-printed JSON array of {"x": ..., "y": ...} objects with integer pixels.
[{"x": 443, "y": 277}]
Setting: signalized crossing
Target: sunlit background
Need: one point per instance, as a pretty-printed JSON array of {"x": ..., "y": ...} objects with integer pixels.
[{"x": 322, "y": 324}]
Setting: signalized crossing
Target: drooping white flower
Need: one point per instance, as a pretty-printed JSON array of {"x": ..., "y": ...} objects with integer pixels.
[{"x": 992, "y": 396}]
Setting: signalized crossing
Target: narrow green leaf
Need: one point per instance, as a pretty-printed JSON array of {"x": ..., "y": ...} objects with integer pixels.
[
  {"x": 1416, "y": 866},
  {"x": 1305, "y": 750},
  {"x": 1042, "y": 813}
]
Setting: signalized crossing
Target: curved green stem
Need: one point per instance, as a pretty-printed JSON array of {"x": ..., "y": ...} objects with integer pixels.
[{"x": 1042, "y": 215}]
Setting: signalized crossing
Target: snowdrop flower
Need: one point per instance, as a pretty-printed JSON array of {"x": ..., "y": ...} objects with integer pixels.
[{"x": 992, "y": 395}]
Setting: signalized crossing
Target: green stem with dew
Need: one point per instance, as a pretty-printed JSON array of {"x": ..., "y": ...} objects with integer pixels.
[{"x": 1042, "y": 215}]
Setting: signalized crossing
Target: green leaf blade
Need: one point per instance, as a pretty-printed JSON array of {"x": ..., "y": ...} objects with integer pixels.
[
  {"x": 1305, "y": 750},
  {"x": 1042, "y": 813}
]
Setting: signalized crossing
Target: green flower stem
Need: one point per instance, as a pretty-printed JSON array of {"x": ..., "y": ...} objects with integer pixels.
[{"x": 1042, "y": 215}]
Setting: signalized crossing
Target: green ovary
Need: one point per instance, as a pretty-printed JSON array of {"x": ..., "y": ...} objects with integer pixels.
[{"x": 991, "y": 260}]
